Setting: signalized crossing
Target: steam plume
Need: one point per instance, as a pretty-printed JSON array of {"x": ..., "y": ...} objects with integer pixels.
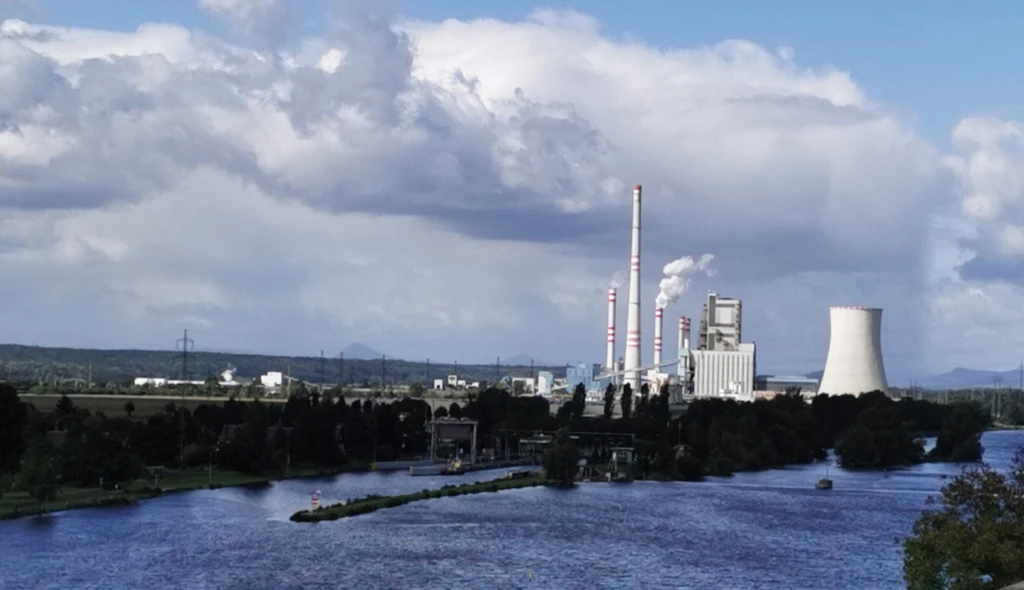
[
  {"x": 617, "y": 280},
  {"x": 677, "y": 280}
]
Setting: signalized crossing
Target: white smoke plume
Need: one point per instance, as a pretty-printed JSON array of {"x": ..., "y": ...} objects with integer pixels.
[
  {"x": 618, "y": 279},
  {"x": 677, "y": 280}
]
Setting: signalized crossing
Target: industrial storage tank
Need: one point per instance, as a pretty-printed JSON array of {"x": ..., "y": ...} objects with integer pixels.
[{"x": 854, "y": 364}]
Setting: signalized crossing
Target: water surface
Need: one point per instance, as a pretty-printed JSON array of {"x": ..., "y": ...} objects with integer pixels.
[{"x": 751, "y": 531}]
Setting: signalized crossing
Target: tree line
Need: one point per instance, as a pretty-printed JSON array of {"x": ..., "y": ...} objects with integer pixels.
[{"x": 716, "y": 437}]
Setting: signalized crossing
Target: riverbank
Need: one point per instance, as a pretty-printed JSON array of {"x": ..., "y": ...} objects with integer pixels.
[
  {"x": 373, "y": 502},
  {"x": 17, "y": 504}
]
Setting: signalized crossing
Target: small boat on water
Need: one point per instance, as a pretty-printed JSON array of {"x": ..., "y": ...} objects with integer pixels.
[{"x": 824, "y": 483}]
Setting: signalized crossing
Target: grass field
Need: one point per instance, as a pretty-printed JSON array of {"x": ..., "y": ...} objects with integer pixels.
[{"x": 16, "y": 504}]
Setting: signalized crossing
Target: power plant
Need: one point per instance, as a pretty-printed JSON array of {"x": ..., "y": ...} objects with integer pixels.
[
  {"x": 854, "y": 363},
  {"x": 722, "y": 364}
]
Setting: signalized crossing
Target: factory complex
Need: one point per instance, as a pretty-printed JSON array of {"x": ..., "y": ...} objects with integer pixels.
[{"x": 722, "y": 364}]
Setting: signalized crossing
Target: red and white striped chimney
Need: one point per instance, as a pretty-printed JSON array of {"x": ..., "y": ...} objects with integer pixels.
[
  {"x": 609, "y": 358},
  {"x": 631, "y": 363},
  {"x": 658, "y": 321},
  {"x": 684, "y": 334}
]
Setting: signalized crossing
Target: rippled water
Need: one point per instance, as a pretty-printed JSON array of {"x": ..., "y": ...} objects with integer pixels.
[{"x": 757, "y": 530}]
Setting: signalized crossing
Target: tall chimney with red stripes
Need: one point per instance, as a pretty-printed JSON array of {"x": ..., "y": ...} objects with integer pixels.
[
  {"x": 632, "y": 361},
  {"x": 658, "y": 320},
  {"x": 609, "y": 357}
]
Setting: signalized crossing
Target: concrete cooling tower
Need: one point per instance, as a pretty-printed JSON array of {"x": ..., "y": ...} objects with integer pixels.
[{"x": 854, "y": 364}]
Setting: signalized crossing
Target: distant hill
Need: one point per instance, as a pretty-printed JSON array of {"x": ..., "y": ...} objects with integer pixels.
[
  {"x": 360, "y": 351},
  {"x": 814, "y": 374},
  {"x": 36, "y": 363},
  {"x": 961, "y": 378}
]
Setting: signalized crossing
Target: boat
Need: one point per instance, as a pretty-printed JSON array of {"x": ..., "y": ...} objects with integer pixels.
[{"x": 824, "y": 483}]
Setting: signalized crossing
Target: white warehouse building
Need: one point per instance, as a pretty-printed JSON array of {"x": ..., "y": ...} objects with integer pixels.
[
  {"x": 725, "y": 373},
  {"x": 723, "y": 365}
]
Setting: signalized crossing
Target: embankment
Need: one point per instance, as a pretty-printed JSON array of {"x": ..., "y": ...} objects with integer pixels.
[{"x": 372, "y": 503}]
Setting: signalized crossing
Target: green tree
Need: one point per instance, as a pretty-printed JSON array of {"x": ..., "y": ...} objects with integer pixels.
[
  {"x": 609, "y": 400},
  {"x": 626, "y": 400},
  {"x": 561, "y": 461},
  {"x": 975, "y": 539},
  {"x": 129, "y": 407},
  {"x": 40, "y": 472}
]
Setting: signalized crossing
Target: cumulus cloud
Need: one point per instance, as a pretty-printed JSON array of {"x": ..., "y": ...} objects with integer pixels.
[{"x": 458, "y": 181}]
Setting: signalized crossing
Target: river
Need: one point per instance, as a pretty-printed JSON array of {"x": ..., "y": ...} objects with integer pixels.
[{"x": 751, "y": 531}]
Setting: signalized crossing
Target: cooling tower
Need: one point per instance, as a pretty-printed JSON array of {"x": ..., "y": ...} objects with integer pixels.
[
  {"x": 609, "y": 358},
  {"x": 658, "y": 316},
  {"x": 632, "y": 361},
  {"x": 854, "y": 364}
]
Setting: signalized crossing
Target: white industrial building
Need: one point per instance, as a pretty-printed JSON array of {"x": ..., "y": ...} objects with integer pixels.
[
  {"x": 151, "y": 381},
  {"x": 527, "y": 384},
  {"x": 272, "y": 379},
  {"x": 723, "y": 365},
  {"x": 545, "y": 381},
  {"x": 854, "y": 363}
]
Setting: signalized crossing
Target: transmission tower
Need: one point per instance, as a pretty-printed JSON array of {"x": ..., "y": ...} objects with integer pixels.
[
  {"x": 185, "y": 345},
  {"x": 321, "y": 371}
]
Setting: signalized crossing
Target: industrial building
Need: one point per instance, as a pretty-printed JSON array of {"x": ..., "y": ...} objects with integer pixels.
[
  {"x": 768, "y": 386},
  {"x": 545, "y": 381},
  {"x": 854, "y": 363},
  {"x": 584, "y": 373},
  {"x": 723, "y": 365}
]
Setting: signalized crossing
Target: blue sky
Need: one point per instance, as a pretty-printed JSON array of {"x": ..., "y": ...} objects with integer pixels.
[{"x": 936, "y": 61}]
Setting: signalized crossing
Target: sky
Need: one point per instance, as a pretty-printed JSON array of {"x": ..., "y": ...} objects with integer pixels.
[{"x": 452, "y": 179}]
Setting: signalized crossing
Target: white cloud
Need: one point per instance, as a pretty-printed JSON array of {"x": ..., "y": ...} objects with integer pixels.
[{"x": 444, "y": 188}]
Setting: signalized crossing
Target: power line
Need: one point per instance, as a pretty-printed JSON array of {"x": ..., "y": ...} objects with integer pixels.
[{"x": 185, "y": 344}]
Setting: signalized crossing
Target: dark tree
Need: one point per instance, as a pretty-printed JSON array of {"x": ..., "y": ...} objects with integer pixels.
[
  {"x": 13, "y": 417},
  {"x": 64, "y": 407},
  {"x": 960, "y": 437},
  {"x": 627, "y": 401},
  {"x": 579, "y": 401},
  {"x": 561, "y": 461},
  {"x": 40, "y": 471},
  {"x": 455, "y": 410},
  {"x": 974, "y": 539},
  {"x": 609, "y": 400},
  {"x": 129, "y": 407}
]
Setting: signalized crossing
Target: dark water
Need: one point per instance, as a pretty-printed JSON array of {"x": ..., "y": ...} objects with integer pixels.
[{"x": 760, "y": 530}]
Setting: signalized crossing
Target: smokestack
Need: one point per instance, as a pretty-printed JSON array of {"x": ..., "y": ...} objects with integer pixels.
[
  {"x": 658, "y": 316},
  {"x": 609, "y": 358},
  {"x": 632, "y": 361},
  {"x": 684, "y": 334}
]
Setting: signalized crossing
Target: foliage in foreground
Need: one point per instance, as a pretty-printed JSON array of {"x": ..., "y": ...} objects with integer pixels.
[{"x": 975, "y": 539}]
